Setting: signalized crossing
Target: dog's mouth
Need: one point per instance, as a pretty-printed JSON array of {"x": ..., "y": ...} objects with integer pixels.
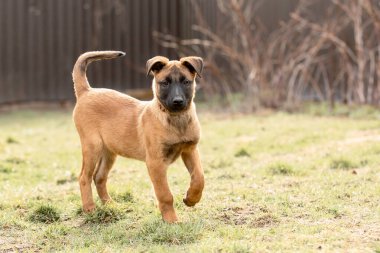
[{"x": 177, "y": 108}]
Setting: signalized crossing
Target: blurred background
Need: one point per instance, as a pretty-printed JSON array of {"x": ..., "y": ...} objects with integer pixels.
[
  {"x": 288, "y": 104},
  {"x": 272, "y": 53}
]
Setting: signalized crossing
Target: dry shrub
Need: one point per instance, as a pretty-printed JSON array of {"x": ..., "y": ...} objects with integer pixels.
[{"x": 330, "y": 55}]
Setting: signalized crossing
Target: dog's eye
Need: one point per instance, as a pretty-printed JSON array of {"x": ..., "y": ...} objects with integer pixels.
[
  {"x": 164, "y": 83},
  {"x": 186, "y": 82}
]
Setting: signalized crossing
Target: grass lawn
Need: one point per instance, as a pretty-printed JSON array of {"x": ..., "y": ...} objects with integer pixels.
[{"x": 277, "y": 182}]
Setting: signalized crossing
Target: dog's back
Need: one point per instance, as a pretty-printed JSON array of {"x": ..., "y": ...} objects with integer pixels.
[{"x": 104, "y": 116}]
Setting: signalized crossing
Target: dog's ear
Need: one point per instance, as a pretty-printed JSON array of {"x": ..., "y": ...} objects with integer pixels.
[
  {"x": 193, "y": 63},
  {"x": 156, "y": 64}
]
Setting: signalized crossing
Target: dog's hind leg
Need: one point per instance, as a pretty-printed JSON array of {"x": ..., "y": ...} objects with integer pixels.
[
  {"x": 101, "y": 175},
  {"x": 193, "y": 165},
  {"x": 91, "y": 154}
]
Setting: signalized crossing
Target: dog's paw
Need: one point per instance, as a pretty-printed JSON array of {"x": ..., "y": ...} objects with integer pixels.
[
  {"x": 108, "y": 201},
  {"x": 89, "y": 208},
  {"x": 170, "y": 217},
  {"x": 188, "y": 202},
  {"x": 171, "y": 220}
]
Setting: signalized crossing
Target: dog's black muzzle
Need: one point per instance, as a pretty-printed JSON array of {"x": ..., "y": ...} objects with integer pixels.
[{"x": 178, "y": 103}]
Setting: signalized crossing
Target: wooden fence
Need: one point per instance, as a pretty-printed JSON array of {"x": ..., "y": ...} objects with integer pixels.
[{"x": 41, "y": 39}]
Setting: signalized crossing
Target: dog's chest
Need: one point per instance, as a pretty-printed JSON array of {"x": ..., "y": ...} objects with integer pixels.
[
  {"x": 180, "y": 124},
  {"x": 171, "y": 151}
]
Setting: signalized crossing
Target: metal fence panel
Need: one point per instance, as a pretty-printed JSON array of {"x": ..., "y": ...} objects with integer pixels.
[{"x": 41, "y": 39}]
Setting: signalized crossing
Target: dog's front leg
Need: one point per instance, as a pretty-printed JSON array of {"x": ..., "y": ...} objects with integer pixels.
[
  {"x": 157, "y": 172},
  {"x": 193, "y": 165}
]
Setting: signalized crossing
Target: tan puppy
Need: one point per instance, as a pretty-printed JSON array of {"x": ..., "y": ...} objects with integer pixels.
[{"x": 111, "y": 123}]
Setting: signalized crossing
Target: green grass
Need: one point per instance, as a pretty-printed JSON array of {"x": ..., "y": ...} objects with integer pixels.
[
  {"x": 159, "y": 232},
  {"x": 280, "y": 168},
  {"x": 274, "y": 182},
  {"x": 105, "y": 214},
  {"x": 242, "y": 152},
  {"x": 45, "y": 214},
  {"x": 125, "y": 196},
  {"x": 342, "y": 163}
]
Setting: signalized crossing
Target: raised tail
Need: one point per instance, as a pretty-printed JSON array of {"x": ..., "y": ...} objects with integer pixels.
[{"x": 81, "y": 84}]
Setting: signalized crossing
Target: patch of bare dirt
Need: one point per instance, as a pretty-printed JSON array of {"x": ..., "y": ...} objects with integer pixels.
[
  {"x": 253, "y": 216},
  {"x": 14, "y": 241},
  {"x": 360, "y": 137},
  {"x": 246, "y": 138}
]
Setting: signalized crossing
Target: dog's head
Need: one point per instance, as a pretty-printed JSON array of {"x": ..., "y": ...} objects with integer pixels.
[{"x": 174, "y": 81}]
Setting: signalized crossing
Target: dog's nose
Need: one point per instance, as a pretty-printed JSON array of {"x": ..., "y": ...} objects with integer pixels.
[{"x": 178, "y": 101}]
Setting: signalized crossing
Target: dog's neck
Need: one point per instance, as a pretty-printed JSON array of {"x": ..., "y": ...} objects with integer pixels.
[{"x": 177, "y": 120}]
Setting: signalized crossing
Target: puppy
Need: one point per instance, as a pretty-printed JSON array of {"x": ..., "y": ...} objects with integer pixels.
[{"x": 111, "y": 123}]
